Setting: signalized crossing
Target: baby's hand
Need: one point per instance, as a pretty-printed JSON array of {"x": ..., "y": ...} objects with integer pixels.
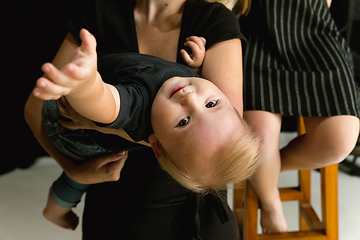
[
  {"x": 197, "y": 46},
  {"x": 74, "y": 77}
]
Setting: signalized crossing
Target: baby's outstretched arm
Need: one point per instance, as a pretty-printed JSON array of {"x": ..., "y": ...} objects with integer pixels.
[
  {"x": 81, "y": 84},
  {"x": 197, "y": 46}
]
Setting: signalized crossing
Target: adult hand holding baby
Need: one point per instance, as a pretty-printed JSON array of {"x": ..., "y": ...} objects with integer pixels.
[{"x": 101, "y": 169}]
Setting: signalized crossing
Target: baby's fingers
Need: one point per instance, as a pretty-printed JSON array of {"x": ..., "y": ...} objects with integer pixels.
[
  {"x": 186, "y": 57},
  {"x": 56, "y": 76},
  {"x": 77, "y": 73},
  {"x": 47, "y": 90},
  {"x": 88, "y": 44},
  {"x": 199, "y": 41}
]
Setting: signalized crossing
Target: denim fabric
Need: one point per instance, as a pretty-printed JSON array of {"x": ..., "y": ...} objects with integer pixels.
[{"x": 77, "y": 145}]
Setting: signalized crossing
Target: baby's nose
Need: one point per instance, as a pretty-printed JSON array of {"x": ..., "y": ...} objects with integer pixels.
[{"x": 189, "y": 99}]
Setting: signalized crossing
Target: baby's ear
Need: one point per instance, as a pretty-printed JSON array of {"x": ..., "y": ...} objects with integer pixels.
[{"x": 155, "y": 145}]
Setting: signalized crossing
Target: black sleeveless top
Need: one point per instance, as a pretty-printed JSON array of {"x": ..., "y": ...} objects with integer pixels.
[{"x": 112, "y": 23}]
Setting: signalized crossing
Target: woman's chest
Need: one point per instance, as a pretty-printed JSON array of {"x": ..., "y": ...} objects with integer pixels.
[
  {"x": 159, "y": 37},
  {"x": 161, "y": 44}
]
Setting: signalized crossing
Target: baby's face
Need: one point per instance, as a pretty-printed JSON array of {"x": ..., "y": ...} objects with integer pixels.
[{"x": 193, "y": 114}]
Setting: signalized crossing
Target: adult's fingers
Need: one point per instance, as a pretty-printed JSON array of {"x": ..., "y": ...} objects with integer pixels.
[
  {"x": 110, "y": 158},
  {"x": 64, "y": 107},
  {"x": 113, "y": 164}
]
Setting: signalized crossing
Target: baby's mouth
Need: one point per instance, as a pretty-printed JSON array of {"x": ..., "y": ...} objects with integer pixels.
[{"x": 176, "y": 89}]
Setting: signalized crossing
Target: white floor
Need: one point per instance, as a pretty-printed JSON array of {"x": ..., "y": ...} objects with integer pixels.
[{"x": 23, "y": 195}]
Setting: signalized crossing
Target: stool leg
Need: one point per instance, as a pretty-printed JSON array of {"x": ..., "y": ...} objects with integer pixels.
[
  {"x": 251, "y": 205},
  {"x": 329, "y": 199},
  {"x": 305, "y": 189}
]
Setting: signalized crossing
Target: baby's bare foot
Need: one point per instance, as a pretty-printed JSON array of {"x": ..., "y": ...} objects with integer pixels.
[
  {"x": 67, "y": 220},
  {"x": 272, "y": 217}
]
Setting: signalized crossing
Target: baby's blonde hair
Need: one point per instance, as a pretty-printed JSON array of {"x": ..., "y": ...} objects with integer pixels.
[{"x": 236, "y": 162}]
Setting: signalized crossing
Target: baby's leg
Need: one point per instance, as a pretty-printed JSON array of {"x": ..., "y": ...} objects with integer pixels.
[
  {"x": 267, "y": 125},
  {"x": 63, "y": 217},
  {"x": 328, "y": 140}
]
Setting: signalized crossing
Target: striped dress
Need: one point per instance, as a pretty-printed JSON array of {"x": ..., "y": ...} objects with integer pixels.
[{"x": 296, "y": 63}]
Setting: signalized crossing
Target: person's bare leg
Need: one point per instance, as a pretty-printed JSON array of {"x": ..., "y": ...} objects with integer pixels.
[
  {"x": 267, "y": 125},
  {"x": 63, "y": 217},
  {"x": 328, "y": 140}
]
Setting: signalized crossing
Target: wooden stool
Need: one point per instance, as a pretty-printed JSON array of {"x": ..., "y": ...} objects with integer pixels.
[{"x": 246, "y": 204}]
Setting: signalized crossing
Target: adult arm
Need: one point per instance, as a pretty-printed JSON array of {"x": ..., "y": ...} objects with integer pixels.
[
  {"x": 97, "y": 170},
  {"x": 223, "y": 66},
  {"x": 33, "y": 107}
]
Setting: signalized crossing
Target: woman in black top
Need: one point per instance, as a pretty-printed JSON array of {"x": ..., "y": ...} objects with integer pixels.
[{"x": 146, "y": 203}]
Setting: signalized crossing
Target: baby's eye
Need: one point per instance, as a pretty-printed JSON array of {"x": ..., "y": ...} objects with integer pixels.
[
  {"x": 212, "y": 104},
  {"x": 183, "y": 122}
]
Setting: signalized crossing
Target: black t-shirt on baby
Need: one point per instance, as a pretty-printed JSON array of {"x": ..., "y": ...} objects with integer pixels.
[{"x": 137, "y": 77}]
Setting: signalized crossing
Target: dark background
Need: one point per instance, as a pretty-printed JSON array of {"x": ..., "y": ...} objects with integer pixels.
[{"x": 31, "y": 36}]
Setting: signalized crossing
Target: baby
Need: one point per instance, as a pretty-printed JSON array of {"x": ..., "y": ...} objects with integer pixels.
[{"x": 196, "y": 134}]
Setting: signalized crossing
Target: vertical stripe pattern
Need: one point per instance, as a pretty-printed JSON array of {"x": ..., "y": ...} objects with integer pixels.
[{"x": 296, "y": 63}]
